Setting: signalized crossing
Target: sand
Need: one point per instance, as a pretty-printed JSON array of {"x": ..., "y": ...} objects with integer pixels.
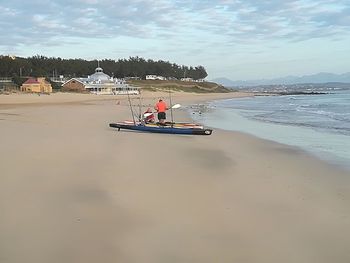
[{"x": 74, "y": 190}]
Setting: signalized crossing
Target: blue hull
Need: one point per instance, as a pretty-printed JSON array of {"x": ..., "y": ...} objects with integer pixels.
[{"x": 162, "y": 129}]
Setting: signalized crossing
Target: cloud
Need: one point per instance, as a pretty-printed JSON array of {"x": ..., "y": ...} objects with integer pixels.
[{"x": 23, "y": 22}]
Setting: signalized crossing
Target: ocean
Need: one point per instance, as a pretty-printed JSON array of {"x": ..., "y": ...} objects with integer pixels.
[{"x": 319, "y": 124}]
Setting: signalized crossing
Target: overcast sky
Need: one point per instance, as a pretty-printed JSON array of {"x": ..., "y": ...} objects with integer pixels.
[{"x": 240, "y": 40}]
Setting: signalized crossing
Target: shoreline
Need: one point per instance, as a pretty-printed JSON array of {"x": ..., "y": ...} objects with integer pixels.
[
  {"x": 329, "y": 157},
  {"x": 73, "y": 189}
]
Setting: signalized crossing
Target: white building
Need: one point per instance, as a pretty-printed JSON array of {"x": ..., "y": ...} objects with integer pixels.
[
  {"x": 101, "y": 84},
  {"x": 155, "y": 77},
  {"x": 187, "y": 79}
]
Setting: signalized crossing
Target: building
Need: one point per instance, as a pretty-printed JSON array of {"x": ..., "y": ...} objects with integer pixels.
[
  {"x": 38, "y": 85},
  {"x": 187, "y": 79},
  {"x": 99, "y": 83},
  {"x": 74, "y": 84},
  {"x": 155, "y": 77},
  {"x": 13, "y": 57}
]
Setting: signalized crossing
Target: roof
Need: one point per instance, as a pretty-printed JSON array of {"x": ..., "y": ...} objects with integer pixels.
[
  {"x": 99, "y": 76},
  {"x": 31, "y": 81},
  {"x": 80, "y": 80}
]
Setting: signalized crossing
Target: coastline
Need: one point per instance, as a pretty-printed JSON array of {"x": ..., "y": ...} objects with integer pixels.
[
  {"x": 74, "y": 190},
  {"x": 275, "y": 132}
]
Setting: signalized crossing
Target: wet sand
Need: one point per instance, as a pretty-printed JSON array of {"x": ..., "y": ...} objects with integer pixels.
[{"x": 74, "y": 190}]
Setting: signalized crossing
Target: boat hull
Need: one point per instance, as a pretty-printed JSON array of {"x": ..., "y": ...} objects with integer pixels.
[
  {"x": 162, "y": 129},
  {"x": 169, "y": 124}
]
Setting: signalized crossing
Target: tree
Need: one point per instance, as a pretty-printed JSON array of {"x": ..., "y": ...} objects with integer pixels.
[{"x": 41, "y": 66}]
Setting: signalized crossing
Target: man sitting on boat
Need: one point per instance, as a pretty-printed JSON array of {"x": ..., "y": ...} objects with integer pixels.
[
  {"x": 149, "y": 116},
  {"x": 161, "y": 107}
]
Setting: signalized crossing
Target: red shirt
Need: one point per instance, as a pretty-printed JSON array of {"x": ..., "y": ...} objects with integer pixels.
[{"x": 161, "y": 106}]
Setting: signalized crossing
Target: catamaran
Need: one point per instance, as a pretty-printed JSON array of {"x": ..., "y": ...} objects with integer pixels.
[{"x": 168, "y": 127}]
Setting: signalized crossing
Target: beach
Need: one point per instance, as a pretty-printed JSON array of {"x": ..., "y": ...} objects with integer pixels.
[{"x": 74, "y": 190}]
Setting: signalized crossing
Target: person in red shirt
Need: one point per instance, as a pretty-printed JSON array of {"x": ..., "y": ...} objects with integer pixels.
[{"x": 161, "y": 107}]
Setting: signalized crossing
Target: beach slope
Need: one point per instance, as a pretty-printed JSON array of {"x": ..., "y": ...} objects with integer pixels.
[{"x": 74, "y": 190}]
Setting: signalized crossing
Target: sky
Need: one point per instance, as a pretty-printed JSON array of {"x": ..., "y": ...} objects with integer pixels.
[{"x": 236, "y": 39}]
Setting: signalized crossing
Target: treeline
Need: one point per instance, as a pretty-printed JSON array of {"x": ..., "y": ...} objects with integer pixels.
[{"x": 41, "y": 66}]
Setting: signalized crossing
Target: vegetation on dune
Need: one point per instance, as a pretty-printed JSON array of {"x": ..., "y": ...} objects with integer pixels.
[{"x": 176, "y": 85}]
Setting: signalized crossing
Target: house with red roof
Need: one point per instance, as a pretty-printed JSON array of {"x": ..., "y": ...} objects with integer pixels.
[{"x": 37, "y": 85}]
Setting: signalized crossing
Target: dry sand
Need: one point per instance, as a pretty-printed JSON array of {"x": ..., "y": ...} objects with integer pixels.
[{"x": 74, "y": 190}]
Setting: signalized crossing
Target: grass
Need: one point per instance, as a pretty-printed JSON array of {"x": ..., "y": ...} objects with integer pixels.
[{"x": 177, "y": 85}]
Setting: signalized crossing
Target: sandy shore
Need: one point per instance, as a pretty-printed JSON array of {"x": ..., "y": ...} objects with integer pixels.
[{"x": 74, "y": 190}]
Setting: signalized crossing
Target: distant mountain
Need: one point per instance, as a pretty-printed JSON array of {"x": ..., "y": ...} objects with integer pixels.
[
  {"x": 225, "y": 82},
  {"x": 322, "y": 77}
]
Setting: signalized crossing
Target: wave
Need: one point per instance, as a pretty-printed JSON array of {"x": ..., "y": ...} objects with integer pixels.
[
  {"x": 323, "y": 126},
  {"x": 333, "y": 115}
]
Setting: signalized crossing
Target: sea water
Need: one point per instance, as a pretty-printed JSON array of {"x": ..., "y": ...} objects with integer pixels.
[{"x": 319, "y": 124}]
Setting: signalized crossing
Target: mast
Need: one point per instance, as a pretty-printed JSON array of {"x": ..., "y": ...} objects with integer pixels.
[
  {"x": 171, "y": 110},
  {"x": 132, "y": 112},
  {"x": 140, "y": 107}
]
